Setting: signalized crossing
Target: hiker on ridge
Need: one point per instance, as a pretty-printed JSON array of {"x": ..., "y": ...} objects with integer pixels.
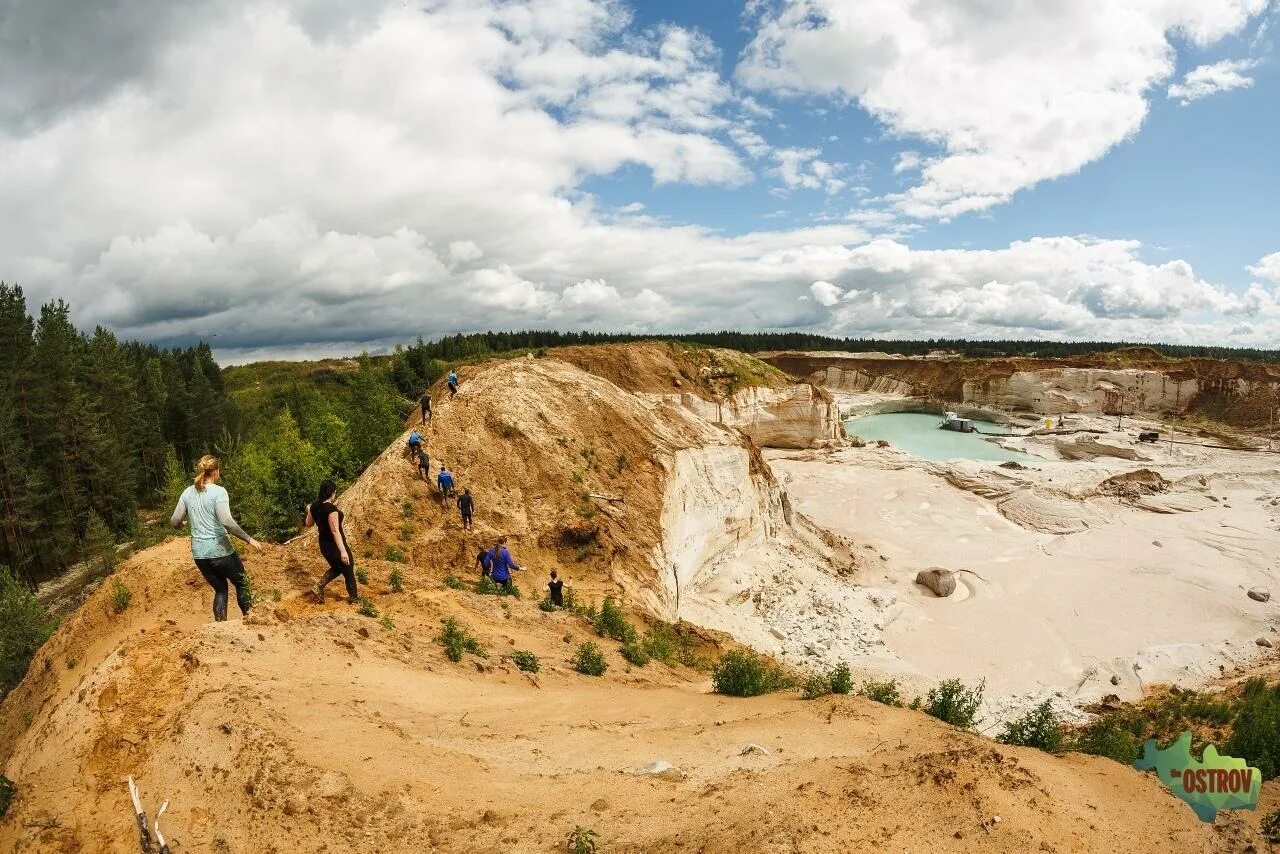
[
  {"x": 209, "y": 509},
  {"x": 467, "y": 507},
  {"x": 444, "y": 480},
  {"x": 453, "y": 382},
  {"x": 333, "y": 542},
  {"x": 415, "y": 443},
  {"x": 503, "y": 563},
  {"x": 424, "y": 465},
  {"x": 425, "y": 403}
]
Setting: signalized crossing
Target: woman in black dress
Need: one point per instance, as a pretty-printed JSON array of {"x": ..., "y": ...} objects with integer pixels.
[{"x": 333, "y": 541}]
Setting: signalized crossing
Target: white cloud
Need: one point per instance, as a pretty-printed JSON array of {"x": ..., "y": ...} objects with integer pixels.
[
  {"x": 1268, "y": 268},
  {"x": 907, "y": 161},
  {"x": 1209, "y": 80},
  {"x": 1014, "y": 94},
  {"x": 825, "y": 293},
  {"x": 802, "y": 168},
  {"x": 463, "y": 251}
]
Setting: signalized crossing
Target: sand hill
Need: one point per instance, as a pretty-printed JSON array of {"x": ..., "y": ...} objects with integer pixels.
[{"x": 308, "y": 727}]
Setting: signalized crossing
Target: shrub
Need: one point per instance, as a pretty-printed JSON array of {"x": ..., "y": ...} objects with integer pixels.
[
  {"x": 611, "y": 622},
  {"x": 1256, "y": 732},
  {"x": 456, "y": 640},
  {"x": 1270, "y": 825},
  {"x": 816, "y": 685},
  {"x": 406, "y": 509},
  {"x": 841, "y": 679},
  {"x": 453, "y": 582},
  {"x": 396, "y": 580},
  {"x": 395, "y": 555},
  {"x": 121, "y": 596},
  {"x": 488, "y": 587},
  {"x": 589, "y": 660},
  {"x": 367, "y": 608},
  {"x": 406, "y": 530},
  {"x": 362, "y": 576},
  {"x": 954, "y": 703},
  {"x": 636, "y": 653},
  {"x": 1109, "y": 737},
  {"x": 99, "y": 543},
  {"x": 1039, "y": 728},
  {"x": 546, "y": 605},
  {"x": 742, "y": 673},
  {"x": 582, "y": 840},
  {"x": 387, "y": 623},
  {"x": 525, "y": 660},
  {"x": 8, "y": 790},
  {"x": 25, "y": 625},
  {"x": 886, "y": 692}
]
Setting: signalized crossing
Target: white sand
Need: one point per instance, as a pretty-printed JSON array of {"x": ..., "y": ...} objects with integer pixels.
[{"x": 1051, "y": 613}]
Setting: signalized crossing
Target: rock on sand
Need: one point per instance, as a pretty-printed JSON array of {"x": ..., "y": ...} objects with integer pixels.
[{"x": 941, "y": 581}]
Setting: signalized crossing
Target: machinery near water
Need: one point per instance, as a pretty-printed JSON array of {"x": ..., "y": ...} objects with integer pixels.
[{"x": 951, "y": 421}]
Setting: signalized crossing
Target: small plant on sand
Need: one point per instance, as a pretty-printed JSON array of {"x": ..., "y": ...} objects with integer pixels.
[
  {"x": 453, "y": 582},
  {"x": 837, "y": 680},
  {"x": 525, "y": 660},
  {"x": 488, "y": 587},
  {"x": 953, "y": 702},
  {"x": 8, "y": 790},
  {"x": 1038, "y": 728},
  {"x": 406, "y": 530},
  {"x": 406, "y": 509},
  {"x": 582, "y": 840},
  {"x": 71, "y": 662},
  {"x": 362, "y": 576},
  {"x": 886, "y": 692},
  {"x": 841, "y": 679},
  {"x": 1270, "y": 825},
  {"x": 395, "y": 555},
  {"x": 815, "y": 685},
  {"x": 636, "y": 653},
  {"x": 456, "y": 640},
  {"x": 742, "y": 673},
  {"x": 611, "y": 622},
  {"x": 367, "y": 608},
  {"x": 589, "y": 660},
  {"x": 546, "y": 605},
  {"x": 387, "y": 623},
  {"x": 396, "y": 580},
  {"x": 121, "y": 596}
]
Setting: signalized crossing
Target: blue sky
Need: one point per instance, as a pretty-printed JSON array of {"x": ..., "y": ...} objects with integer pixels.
[{"x": 314, "y": 177}]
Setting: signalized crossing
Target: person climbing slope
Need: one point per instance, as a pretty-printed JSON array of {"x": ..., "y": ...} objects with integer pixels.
[
  {"x": 484, "y": 560},
  {"x": 503, "y": 563},
  {"x": 444, "y": 480},
  {"x": 208, "y": 507},
  {"x": 556, "y": 588},
  {"x": 327, "y": 518},
  {"x": 424, "y": 465},
  {"x": 415, "y": 443},
  {"x": 453, "y": 382},
  {"x": 467, "y": 507},
  {"x": 425, "y": 403}
]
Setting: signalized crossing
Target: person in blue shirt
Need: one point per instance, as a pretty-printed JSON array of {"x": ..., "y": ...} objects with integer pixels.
[
  {"x": 415, "y": 443},
  {"x": 444, "y": 480},
  {"x": 206, "y": 504},
  {"x": 453, "y": 382},
  {"x": 502, "y": 564}
]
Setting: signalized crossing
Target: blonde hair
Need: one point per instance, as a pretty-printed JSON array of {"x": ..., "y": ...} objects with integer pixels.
[{"x": 204, "y": 470}]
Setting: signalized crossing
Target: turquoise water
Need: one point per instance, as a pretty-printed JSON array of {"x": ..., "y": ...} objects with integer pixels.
[{"x": 918, "y": 434}]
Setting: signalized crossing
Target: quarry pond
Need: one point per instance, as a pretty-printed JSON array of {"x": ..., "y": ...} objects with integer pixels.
[{"x": 918, "y": 434}]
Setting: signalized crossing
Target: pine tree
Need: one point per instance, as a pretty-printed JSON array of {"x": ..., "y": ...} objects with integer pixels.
[{"x": 99, "y": 544}]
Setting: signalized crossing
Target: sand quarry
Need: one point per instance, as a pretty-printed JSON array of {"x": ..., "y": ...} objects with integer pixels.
[{"x": 308, "y": 727}]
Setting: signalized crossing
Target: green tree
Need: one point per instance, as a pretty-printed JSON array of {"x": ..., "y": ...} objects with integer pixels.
[
  {"x": 25, "y": 625},
  {"x": 99, "y": 543}
]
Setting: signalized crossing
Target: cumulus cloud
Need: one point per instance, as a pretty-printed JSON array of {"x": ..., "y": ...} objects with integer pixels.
[
  {"x": 1268, "y": 268},
  {"x": 1009, "y": 99},
  {"x": 825, "y": 293},
  {"x": 1209, "y": 80},
  {"x": 803, "y": 169}
]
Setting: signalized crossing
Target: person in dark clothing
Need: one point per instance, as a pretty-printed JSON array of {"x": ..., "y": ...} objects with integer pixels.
[
  {"x": 467, "y": 507},
  {"x": 503, "y": 563},
  {"x": 333, "y": 542},
  {"x": 424, "y": 465},
  {"x": 453, "y": 383},
  {"x": 556, "y": 588},
  {"x": 206, "y": 505},
  {"x": 426, "y": 406},
  {"x": 485, "y": 561}
]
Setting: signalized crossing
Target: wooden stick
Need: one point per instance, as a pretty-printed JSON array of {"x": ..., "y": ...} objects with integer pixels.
[
  {"x": 144, "y": 835},
  {"x": 614, "y": 498},
  {"x": 164, "y": 846}
]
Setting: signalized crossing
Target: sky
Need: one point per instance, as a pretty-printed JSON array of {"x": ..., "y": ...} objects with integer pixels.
[{"x": 301, "y": 178}]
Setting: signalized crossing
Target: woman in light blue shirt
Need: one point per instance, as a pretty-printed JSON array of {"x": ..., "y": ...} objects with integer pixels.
[{"x": 206, "y": 504}]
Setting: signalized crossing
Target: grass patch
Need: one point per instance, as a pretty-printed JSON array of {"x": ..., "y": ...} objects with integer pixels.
[
  {"x": 367, "y": 608},
  {"x": 387, "y": 623},
  {"x": 396, "y": 580},
  {"x": 453, "y": 582},
  {"x": 488, "y": 587},
  {"x": 406, "y": 509},
  {"x": 406, "y": 531},
  {"x": 887, "y": 692},
  {"x": 742, "y": 673},
  {"x": 589, "y": 660},
  {"x": 121, "y": 596},
  {"x": 456, "y": 640},
  {"x": 395, "y": 555},
  {"x": 526, "y": 661},
  {"x": 362, "y": 576}
]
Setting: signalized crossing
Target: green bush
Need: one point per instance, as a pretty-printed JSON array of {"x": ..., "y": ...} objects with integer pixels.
[
  {"x": 387, "y": 623},
  {"x": 525, "y": 660},
  {"x": 396, "y": 579},
  {"x": 954, "y": 703},
  {"x": 742, "y": 673},
  {"x": 453, "y": 582},
  {"x": 367, "y": 608},
  {"x": 362, "y": 576},
  {"x": 841, "y": 679},
  {"x": 1039, "y": 728},
  {"x": 488, "y": 587},
  {"x": 25, "y": 625},
  {"x": 406, "y": 530},
  {"x": 99, "y": 543},
  {"x": 7, "y": 791},
  {"x": 1256, "y": 731},
  {"x": 121, "y": 596},
  {"x": 395, "y": 555},
  {"x": 582, "y": 841},
  {"x": 886, "y": 692},
  {"x": 611, "y": 622},
  {"x": 636, "y": 654},
  {"x": 456, "y": 640},
  {"x": 546, "y": 605},
  {"x": 589, "y": 660},
  {"x": 816, "y": 685},
  {"x": 1108, "y": 736}
]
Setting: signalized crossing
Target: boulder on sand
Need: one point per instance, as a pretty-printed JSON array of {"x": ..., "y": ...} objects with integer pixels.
[
  {"x": 1259, "y": 594},
  {"x": 941, "y": 581}
]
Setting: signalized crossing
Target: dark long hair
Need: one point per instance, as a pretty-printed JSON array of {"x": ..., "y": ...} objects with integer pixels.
[{"x": 327, "y": 490}]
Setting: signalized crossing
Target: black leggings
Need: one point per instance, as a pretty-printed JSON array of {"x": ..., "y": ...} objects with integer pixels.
[
  {"x": 218, "y": 571},
  {"x": 346, "y": 570}
]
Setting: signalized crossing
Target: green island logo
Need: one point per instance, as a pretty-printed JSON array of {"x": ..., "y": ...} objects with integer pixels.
[{"x": 1214, "y": 783}]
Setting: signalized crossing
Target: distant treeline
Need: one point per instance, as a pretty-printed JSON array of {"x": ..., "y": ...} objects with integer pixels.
[{"x": 414, "y": 364}]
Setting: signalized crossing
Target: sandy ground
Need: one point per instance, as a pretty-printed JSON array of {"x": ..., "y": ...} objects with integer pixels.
[{"x": 1070, "y": 593}]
